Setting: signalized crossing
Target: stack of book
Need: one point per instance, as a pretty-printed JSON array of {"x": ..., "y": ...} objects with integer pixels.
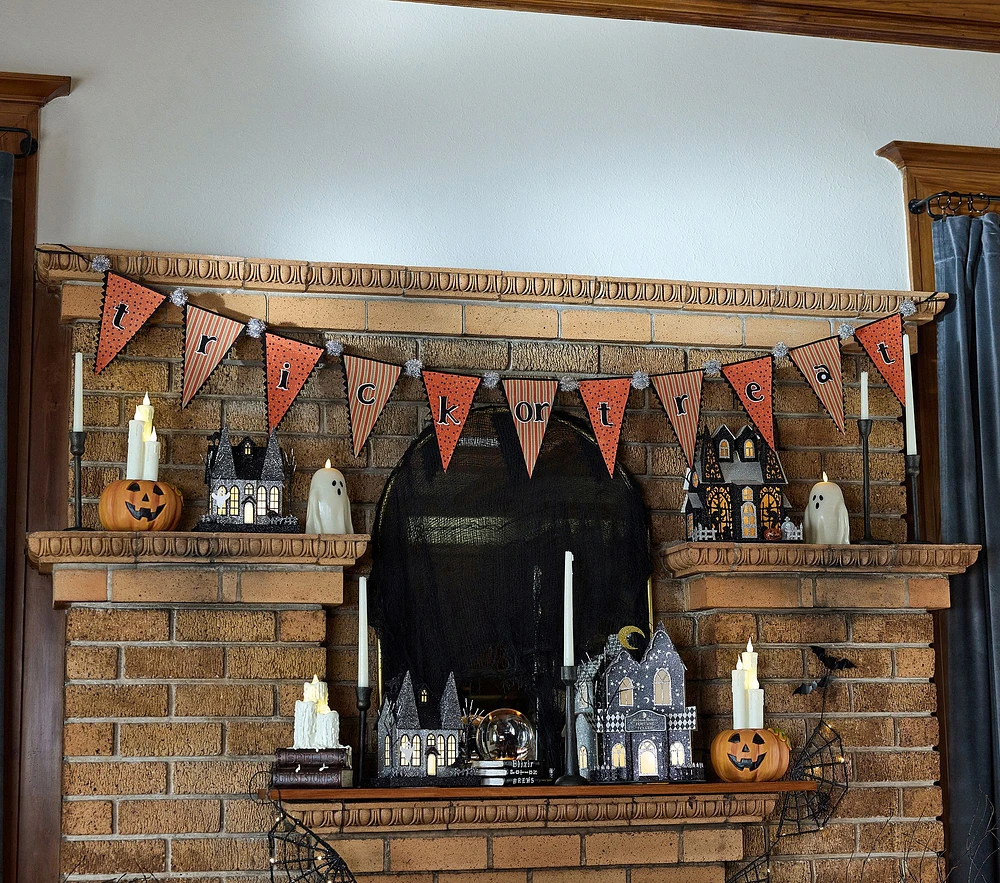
[
  {"x": 312, "y": 768},
  {"x": 507, "y": 772}
]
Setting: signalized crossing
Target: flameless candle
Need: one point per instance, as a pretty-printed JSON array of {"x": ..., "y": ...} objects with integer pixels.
[
  {"x": 739, "y": 697},
  {"x": 144, "y": 412},
  {"x": 151, "y": 458},
  {"x": 749, "y": 660},
  {"x": 137, "y": 436},
  {"x": 363, "y": 632},
  {"x": 911, "y": 405},
  {"x": 78, "y": 393},
  {"x": 305, "y": 724},
  {"x": 864, "y": 395},
  {"x": 755, "y": 706},
  {"x": 568, "y": 649}
]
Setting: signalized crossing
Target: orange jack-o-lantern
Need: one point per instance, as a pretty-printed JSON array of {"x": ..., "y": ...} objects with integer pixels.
[
  {"x": 140, "y": 505},
  {"x": 772, "y": 534},
  {"x": 750, "y": 755}
]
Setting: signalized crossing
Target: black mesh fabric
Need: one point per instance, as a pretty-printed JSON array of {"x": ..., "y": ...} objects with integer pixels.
[{"x": 454, "y": 584}]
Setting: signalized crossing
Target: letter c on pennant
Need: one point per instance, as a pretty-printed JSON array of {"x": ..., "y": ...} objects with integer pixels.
[{"x": 366, "y": 394}]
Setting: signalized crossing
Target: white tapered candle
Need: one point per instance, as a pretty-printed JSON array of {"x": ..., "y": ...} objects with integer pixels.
[
  {"x": 151, "y": 458},
  {"x": 78, "y": 393},
  {"x": 569, "y": 651},
  {"x": 864, "y": 395},
  {"x": 363, "y": 632},
  {"x": 911, "y": 405}
]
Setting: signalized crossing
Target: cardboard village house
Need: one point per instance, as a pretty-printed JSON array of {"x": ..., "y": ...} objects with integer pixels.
[{"x": 632, "y": 722}]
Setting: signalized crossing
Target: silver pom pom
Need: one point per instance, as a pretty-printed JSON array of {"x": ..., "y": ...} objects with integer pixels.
[
  {"x": 491, "y": 379},
  {"x": 100, "y": 263},
  {"x": 334, "y": 347},
  {"x": 178, "y": 297},
  {"x": 640, "y": 380},
  {"x": 413, "y": 367},
  {"x": 907, "y": 307},
  {"x": 568, "y": 384},
  {"x": 780, "y": 350},
  {"x": 712, "y": 368},
  {"x": 256, "y": 328},
  {"x": 845, "y": 330}
]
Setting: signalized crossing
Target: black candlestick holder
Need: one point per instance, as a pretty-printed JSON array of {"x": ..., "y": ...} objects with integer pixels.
[
  {"x": 364, "y": 703},
  {"x": 865, "y": 431},
  {"x": 571, "y": 774},
  {"x": 913, "y": 479},
  {"x": 77, "y": 443}
]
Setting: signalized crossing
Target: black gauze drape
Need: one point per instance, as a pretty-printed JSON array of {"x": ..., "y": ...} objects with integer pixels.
[
  {"x": 967, "y": 266},
  {"x": 6, "y": 234}
]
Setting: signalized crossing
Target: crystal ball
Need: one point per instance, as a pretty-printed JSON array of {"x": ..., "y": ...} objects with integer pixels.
[{"x": 506, "y": 734}]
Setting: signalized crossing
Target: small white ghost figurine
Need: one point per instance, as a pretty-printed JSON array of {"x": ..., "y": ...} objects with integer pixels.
[
  {"x": 826, "y": 519},
  {"x": 329, "y": 509}
]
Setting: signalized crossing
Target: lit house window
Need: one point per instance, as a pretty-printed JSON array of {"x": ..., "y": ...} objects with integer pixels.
[
  {"x": 275, "y": 500},
  {"x": 724, "y": 453},
  {"x": 416, "y": 752},
  {"x": 626, "y": 692},
  {"x": 262, "y": 500},
  {"x": 618, "y": 755},
  {"x": 247, "y": 448},
  {"x": 234, "y": 500},
  {"x": 749, "y": 452},
  {"x": 748, "y": 494},
  {"x": 583, "y": 757},
  {"x": 220, "y": 509},
  {"x": 661, "y": 687},
  {"x": 388, "y": 752},
  {"x": 451, "y": 754},
  {"x": 404, "y": 751}
]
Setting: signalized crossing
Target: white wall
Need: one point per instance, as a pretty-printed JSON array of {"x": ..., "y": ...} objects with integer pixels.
[{"x": 389, "y": 132}]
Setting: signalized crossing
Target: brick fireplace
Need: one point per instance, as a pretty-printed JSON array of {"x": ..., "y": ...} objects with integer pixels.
[{"x": 179, "y": 686}]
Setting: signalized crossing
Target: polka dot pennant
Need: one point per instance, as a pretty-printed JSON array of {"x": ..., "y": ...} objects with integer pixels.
[
  {"x": 288, "y": 364},
  {"x": 605, "y": 401},
  {"x": 883, "y": 341},
  {"x": 126, "y": 307},
  {"x": 450, "y": 397},
  {"x": 752, "y": 380}
]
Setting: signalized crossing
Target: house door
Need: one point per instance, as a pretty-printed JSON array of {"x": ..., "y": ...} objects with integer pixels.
[
  {"x": 749, "y": 521},
  {"x": 647, "y": 759},
  {"x": 248, "y": 512}
]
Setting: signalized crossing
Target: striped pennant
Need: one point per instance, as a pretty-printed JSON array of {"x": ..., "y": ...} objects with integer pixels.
[
  {"x": 530, "y": 404},
  {"x": 680, "y": 395},
  {"x": 820, "y": 364},
  {"x": 369, "y": 385},
  {"x": 207, "y": 338}
]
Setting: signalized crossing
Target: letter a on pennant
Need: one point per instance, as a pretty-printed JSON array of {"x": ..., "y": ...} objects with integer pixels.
[
  {"x": 450, "y": 397},
  {"x": 753, "y": 382},
  {"x": 207, "y": 338},
  {"x": 605, "y": 401},
  {"x": 126, "y": 307},
  {"x": 369, "y": 385},
  {"x": 530, "y": 404},
  {"x": 680, "y": 395},
  {"x": 883, "y": 341},
  {"x": 820, "y": 364},
  {"x": 288, "y": 365}
]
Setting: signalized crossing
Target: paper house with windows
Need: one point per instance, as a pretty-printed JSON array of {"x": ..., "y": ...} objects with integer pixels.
[
  {"x": 632, "y": 723},
  {"x": 248, "y": 486},
  {"x": 418, "y": 734},
  {"x": 735, "y": 489}
]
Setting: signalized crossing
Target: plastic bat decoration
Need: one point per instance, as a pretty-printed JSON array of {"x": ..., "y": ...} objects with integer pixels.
[
  {"x": 832, "y": 663},
  {"x": 810, "y": 686}
]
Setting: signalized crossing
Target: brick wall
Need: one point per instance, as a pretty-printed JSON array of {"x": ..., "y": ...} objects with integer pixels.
[{"x": 169, "y": 711}]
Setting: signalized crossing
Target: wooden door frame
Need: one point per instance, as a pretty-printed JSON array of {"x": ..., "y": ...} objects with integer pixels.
[{"x": 37, "y": 402}]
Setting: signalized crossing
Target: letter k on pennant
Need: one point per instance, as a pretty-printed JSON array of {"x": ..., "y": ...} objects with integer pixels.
[{"x": 450, "y": 397}]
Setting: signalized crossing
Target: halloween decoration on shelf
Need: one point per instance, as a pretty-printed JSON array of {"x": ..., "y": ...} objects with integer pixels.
[
  {"x": 750, "y": 755},
  {"x": 140, "y": 505},
  {"x": 735, "y": 490},
  {"x": 505, "y": 745},
  {"x": 248, "y": 486},
  {"x": 329, "y": 509},
  {"x": 826, "y": 520},
  {"x": 299, "y": 854},
  {"x": 77, "y": 442},
  {"x": 312, "y": 768},
  {"x": 317, "y": 726},
  {"x": 143, "y": 458},
  {"x": 632, "y": 723}
]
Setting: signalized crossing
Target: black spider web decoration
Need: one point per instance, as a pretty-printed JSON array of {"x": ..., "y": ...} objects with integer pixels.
[{"x": 821, "y": 760}]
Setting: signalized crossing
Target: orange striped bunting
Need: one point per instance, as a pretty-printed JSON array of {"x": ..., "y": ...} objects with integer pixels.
[
  {"x": 680, "y": 395},
  {"x": 530, "y": 404},
  {"x": 369, "y": 385},
  {"x": 207, "y": 338}
]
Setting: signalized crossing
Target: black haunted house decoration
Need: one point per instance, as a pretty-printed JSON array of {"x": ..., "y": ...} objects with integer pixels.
[
  {"x": 735, "y": 490},
  {"x": 248, "y": 486},
  {"x": 632, "y": 720}
]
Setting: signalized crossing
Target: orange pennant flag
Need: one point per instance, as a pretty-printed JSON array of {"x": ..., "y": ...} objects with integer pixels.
[
  {"x": 680, "y": 395},
  {"x": 883, "y": 341},
  {"x": 126, "y": 307},
  {"x": 288, "y": 366},
  {"x": 530, "y": 404},
  {"x": 369, "y": 385},
  {"x": 450, "y": 397},
  {"x": 820, "y": 364},
  {"x": 207, "y": 338},
  {"x": 752, "y": 380},
  {"x": 605, "y": 401}
]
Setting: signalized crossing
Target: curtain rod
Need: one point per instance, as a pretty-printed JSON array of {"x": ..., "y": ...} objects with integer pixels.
[
  {"x": 28, "y": 145},
  {"x": 951, "y": 202}
]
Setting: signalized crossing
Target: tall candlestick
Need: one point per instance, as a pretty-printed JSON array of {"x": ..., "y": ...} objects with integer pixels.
[
  {"x": 739, "y": 697},
  {"x": 568, "y": 650},
  {"x": 911, "y": 405},
  {"x": 151, "y": 458},
  {"x": 864, "y": 395},
  {"x": 363, "y": 632},
  {"x": 78, "y": 393}
]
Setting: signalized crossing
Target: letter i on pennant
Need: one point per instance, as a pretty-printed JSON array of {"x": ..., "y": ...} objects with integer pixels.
[
  {"x": 450, "y": 399},
  {"x": 288, "y": 364}
]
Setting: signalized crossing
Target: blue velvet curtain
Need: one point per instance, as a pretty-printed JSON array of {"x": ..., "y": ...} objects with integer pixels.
[
  {"x": 967, "y": 266},
  {"x": 6, "y": 234}
]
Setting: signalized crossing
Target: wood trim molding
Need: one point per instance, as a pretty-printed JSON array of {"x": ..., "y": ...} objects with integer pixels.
[
  {"x": 947, "y": 24},
  {"x": 36, "y": 89}
]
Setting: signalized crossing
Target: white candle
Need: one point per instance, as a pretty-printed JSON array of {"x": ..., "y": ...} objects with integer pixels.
[
  {"x": 305, "y": 724},
  {"x": 137, "y": 436},
  {"x": 78, "y": 393},
  {"x": 864, "y": 395},
  {"x": 151, "y": 458},
  {"x": 749, "y": 660},
  {"x": 755, "y": 708},
  {"x": 363, "y": 632},
  {"x": 327, "y": 732},
  {"x": 315, "y": 691},
  {"x": 739, "y": 697},
  {"x": 144, "y": 412},
  {"x": 911, "y": 405},
  {"x": 568, "y": 650}
]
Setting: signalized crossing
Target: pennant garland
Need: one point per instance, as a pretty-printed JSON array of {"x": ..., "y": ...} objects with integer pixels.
[
  {"x": 820, "y": 364},
  {"x": 450, "y": 397},
  {"x": 680, "y": 395},
  {"x": 126, "y": 306},
  {"x": 207, "y": 338},
  {"x": 288, "y": 364},
  {"x": 530, "y": 404},
  {"x": 605, "y": 401},
  {"x": 883, "y": 341},
  {"x": 369, "y": 385},
  {"x": 752, "y": 381}
]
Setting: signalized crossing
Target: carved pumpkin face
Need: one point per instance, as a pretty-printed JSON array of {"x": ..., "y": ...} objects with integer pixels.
[
  {"x": 133, "y": 505},
  {"x": 749, "y": 755}
]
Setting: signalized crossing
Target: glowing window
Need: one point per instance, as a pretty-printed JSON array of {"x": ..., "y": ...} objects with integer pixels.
[
  {"x": 431, "y": 741},
  {"x": 234, "y": 501},
  {"x": 648, "y": 765},
  {"x": 262, "y": 500},
  {"x": 388, "y": 752},
  {"x": 661, "y": 687},
  {"x": 677, "y": 754},
  {"x": 749, "y": 521},
  {"x": 416, "y": 751},
  {"x": 451, "y": 754},
  {"x": 248, "y": 490},
  {"x": 626, "y": 692},
  {"x": 423, "y": 695},
  {"x": 220, "y": 509},
  {"x": 724, "y": 453},
  {"x": 432, "y": 763},
  {"x": 247, "y": 448},
  {"x": 275, "y": 500},
  {"x": 404, "y": 751},
  {"x": 749, "y": 451},
  {"x": 618, "y": 755},
  {"x": 583, "y": 757},
  {"x": 748, "y": 494}
]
